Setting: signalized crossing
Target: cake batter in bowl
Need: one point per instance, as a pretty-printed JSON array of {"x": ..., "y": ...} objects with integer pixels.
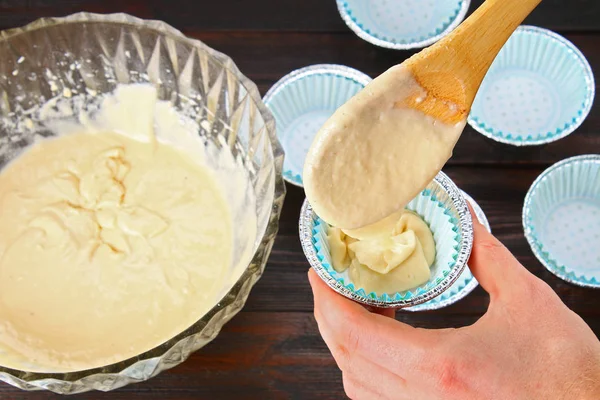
[{"x": 115, "y": 134}]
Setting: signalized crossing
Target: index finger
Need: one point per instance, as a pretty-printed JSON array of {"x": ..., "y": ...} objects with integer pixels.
[{"x": 349, "y": 328}]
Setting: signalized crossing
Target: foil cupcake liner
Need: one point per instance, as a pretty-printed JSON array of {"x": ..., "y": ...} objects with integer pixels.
[
  {"x": 408, "y": 24},
  {"x": 443, "y": 208},
  {"x": 538, "y": 90},
  {"x": 466, "y": 282},
  {"x": 561, "y": 219},
  {"x": 302, "y": 101}
]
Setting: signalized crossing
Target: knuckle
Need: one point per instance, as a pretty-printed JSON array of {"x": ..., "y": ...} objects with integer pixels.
[
  {"x": 341, "y": 356},
  {"x": 496, "y": 251},
  {"x": 347, "y": 340},
  {"x": 537, "y": 290},
  {"x": 449, "y": 375},
  {"x": 318, "y": 315},
  {"x": 352, "y": 338},
  {"x": 491, "y": 245},
  {"x": 350, "y": 387}
]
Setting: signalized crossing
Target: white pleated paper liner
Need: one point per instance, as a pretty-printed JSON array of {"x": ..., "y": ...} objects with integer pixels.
[
  {"x": 561, "y": 218},
  {"x": 402, "y": 24},
  {"x": 539, "y": 89},
  {"x": 302, "y": 101},
  {"x": 442, "y": 207},
  {"x": 466, "y": 282}
]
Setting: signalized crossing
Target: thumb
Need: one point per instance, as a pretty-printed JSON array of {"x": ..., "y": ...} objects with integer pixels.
[{"x": 492, "y": 264}]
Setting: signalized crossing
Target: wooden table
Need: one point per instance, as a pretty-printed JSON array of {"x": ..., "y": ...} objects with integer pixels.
[{"x": 272, "y": 349}]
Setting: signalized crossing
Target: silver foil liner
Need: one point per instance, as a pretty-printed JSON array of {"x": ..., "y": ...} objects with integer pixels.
[
  {"x": 466, "y": 282},
  {"x": 561, "y": 219},
  {"x": 445, "y": 192},
  {"x": 539, "y": 89},
  {"x": 370, "y": 28},
  {"x": 91, "y": 52}
]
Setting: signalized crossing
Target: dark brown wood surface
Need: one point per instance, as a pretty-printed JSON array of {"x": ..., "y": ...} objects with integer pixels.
[{"x": 272, "y": 349}]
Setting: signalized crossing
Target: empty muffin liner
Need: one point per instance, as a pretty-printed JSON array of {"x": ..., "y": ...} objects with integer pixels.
[
  {"x": 302, "y": 101},
  {"x": 402, "y": 25},
  {"x": 466, "y": 282},
  {"x": 561, "y": 218},
  {"x": 442, "y": 207},
  {"x": 539, "y": 89}
]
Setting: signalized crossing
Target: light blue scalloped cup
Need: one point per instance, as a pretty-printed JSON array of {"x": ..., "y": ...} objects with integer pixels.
[
  {"x": 402, "y": 24},
  {"x": 561, "y": 218},
  {"x": 442, "y": 207},
  {"x": 466, "y": 282},
  {"x": 538, "y": 90},
  {"x": 302, "y": 101}
]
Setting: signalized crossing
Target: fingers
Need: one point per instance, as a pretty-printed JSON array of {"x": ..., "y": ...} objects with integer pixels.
[
  {"x": 492, "y": 264},
  {"x": 386, "y": 312},
  {"x": 357, "y": 391},
  {"x": 362, "y": 377},
  {"x": 350, "y": 330},
  {"x": 379, "y": 382}
]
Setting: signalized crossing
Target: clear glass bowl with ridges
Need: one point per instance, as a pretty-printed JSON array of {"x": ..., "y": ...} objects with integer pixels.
[{"x": 92, "y": 52}]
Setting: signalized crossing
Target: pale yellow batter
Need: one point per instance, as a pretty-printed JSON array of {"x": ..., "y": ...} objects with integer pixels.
[
  {"x": 374, "y": 154},
  {"x": 108, "y": 247},
  {"x": 393, "y": 255}
]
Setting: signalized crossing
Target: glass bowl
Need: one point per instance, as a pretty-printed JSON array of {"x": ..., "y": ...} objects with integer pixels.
[{"x": 91, "y": 54}]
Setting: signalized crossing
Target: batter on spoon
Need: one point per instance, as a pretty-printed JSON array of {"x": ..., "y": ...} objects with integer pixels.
[{"x": 375, "y": 154}]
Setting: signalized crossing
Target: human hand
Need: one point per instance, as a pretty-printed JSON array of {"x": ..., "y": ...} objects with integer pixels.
[{"x": 528, "y": 345}]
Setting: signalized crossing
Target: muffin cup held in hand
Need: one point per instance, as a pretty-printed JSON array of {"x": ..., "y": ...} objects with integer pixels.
[
  {"x": 465, "y": 283},
  {"x": 442, "y": 207}
]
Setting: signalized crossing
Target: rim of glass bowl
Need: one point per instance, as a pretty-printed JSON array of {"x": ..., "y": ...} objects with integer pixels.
[{"x": 177, "y": 349}]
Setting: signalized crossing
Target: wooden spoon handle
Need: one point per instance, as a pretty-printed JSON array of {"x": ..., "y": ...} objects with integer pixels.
[{"x": 452, "y": 70}]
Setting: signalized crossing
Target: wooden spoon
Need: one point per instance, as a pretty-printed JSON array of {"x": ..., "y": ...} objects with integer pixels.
[
  {"x": 452, "y": 70},
  {"x": 376, "y": 153}
]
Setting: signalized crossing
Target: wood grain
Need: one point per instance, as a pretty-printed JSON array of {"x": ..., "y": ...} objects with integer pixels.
[
  {"x": 256, "y": 356},
  {"x": 500, "y": 193},
  {"x": 265, "y": 57},
  {"x": 267, "y": 15},
  {"x": 452, "y": 69},
  {"x": 272, "y": 349}
]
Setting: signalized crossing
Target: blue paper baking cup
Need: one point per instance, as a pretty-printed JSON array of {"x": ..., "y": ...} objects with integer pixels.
[
  {"x": 442, "y": 207},
  {"x": 466, "y": 282},
  {"x": 561, "y": 218},
  {"x": 539, "y": 89},
  {"x": 402, "y": 24},
  {"x": 302, "y": 101}
]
